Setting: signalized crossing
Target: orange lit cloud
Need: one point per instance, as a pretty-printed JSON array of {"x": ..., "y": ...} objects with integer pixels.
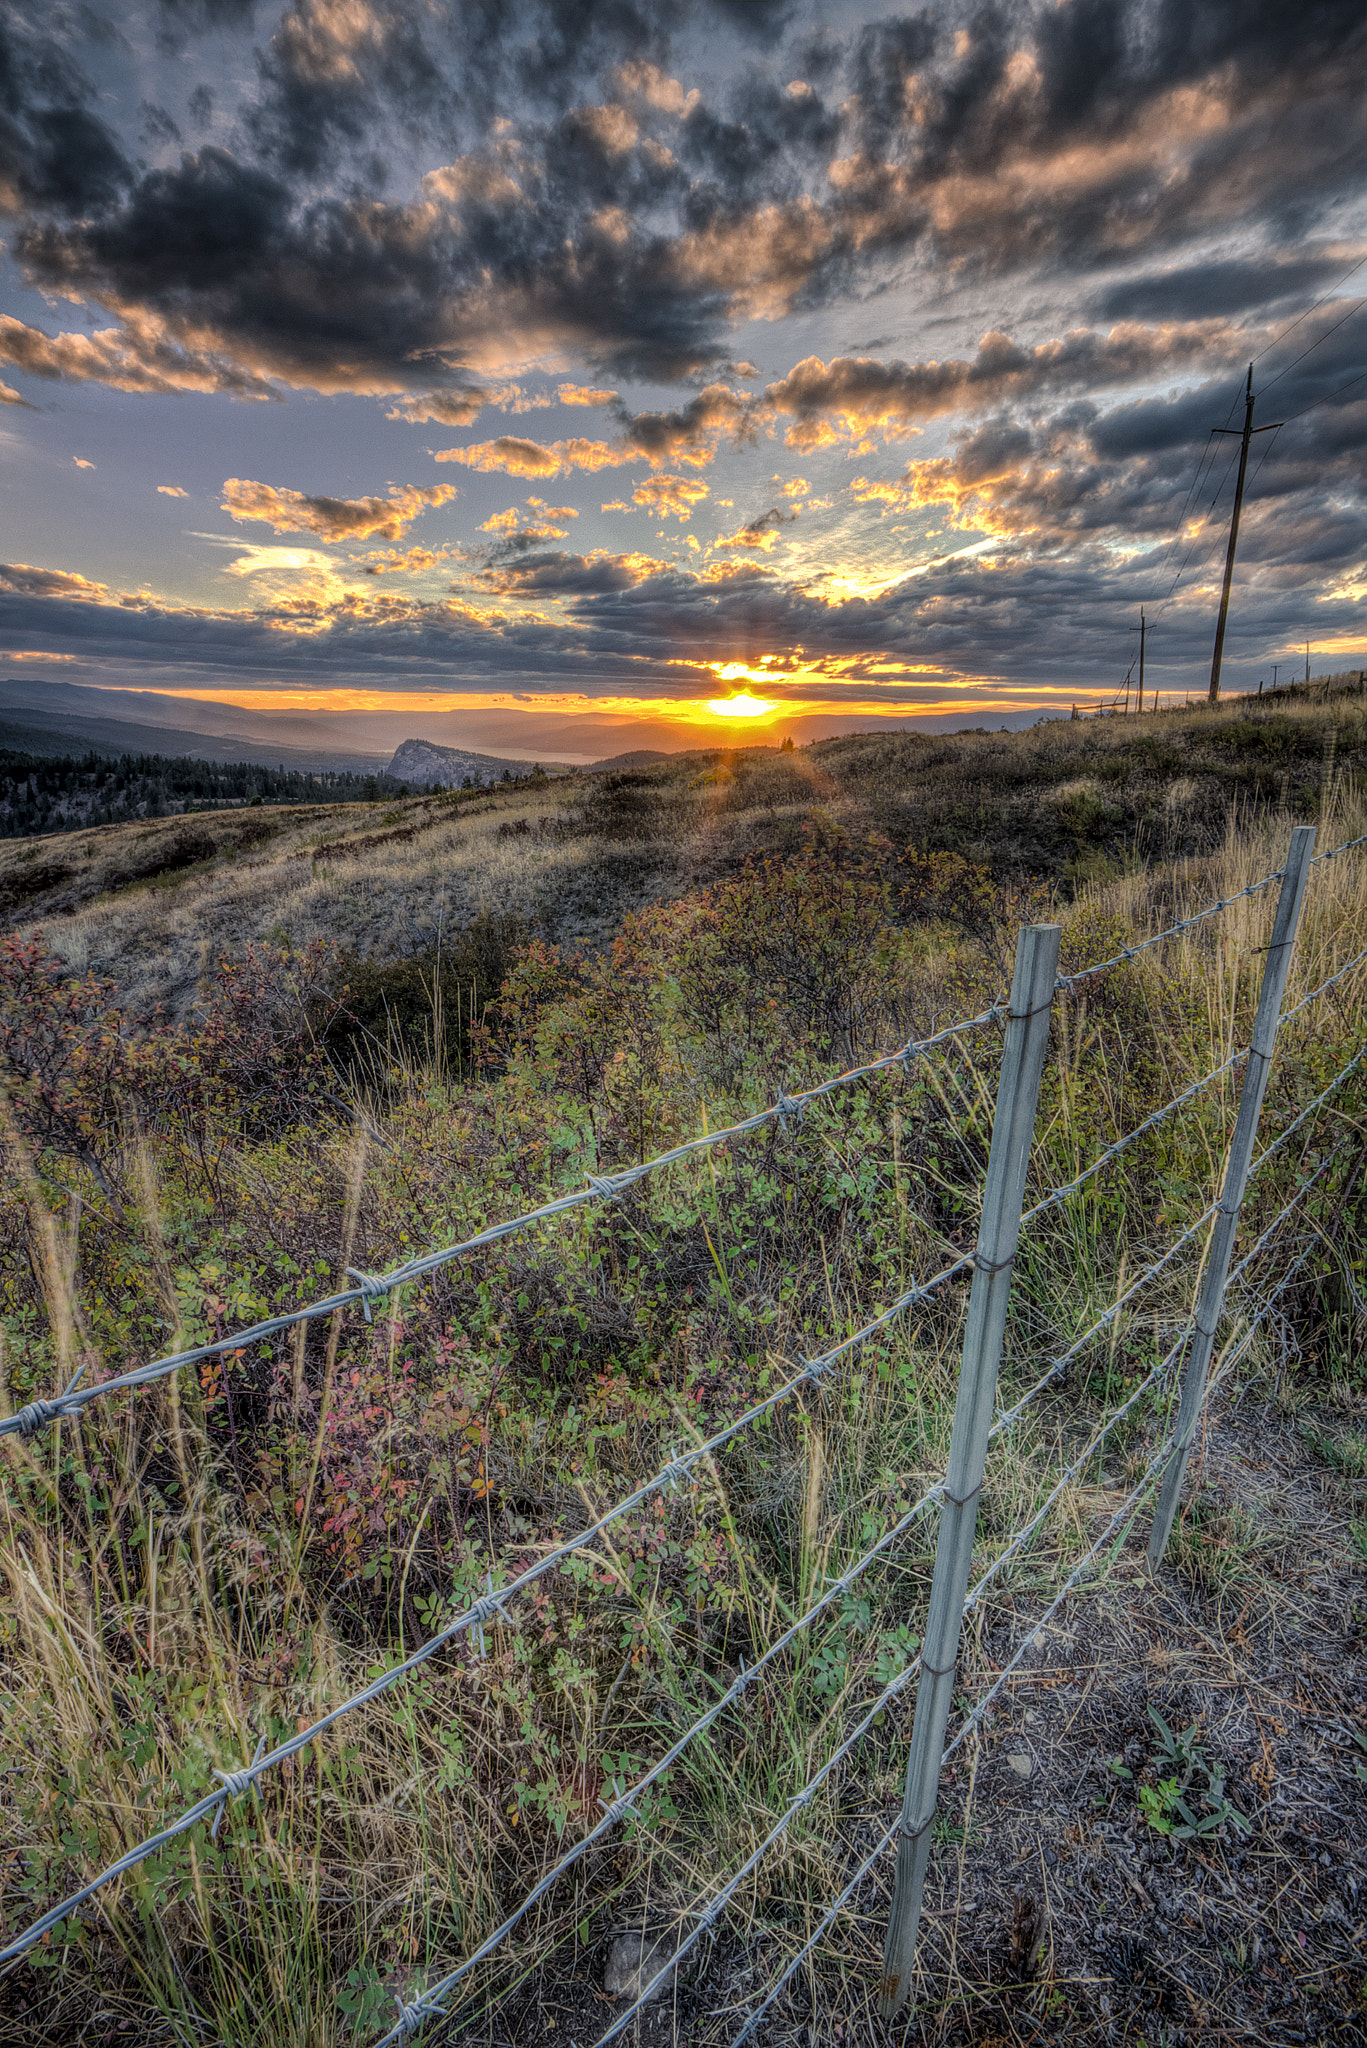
[
  {"x": 669, "y": 496},
  {"x": 541, "y": 526},
  {"x": 535, "y": 459},
  {"x": 458, "y": 407},
  {"x": 583, "y": 394},
  {"x": 171, "y": 491},
  {"x": 22, "y": 579},
  {"x": 757, "y": 533},
  {"x": 558, "y": 574},
  {"x": 389, "y": 562},
  {"x": 854, "y": 395},
  {"x": 690, "y": 433},
  {"x": 331, "y": 518},
  {"x": 139, "y": 356}
]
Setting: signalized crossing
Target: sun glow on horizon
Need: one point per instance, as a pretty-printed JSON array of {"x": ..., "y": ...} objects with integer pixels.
[{"x": 742, "y": 705}]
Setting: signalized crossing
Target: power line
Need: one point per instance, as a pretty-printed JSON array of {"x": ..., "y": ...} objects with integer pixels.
[
  {"x": 1327, "y": 399},
  {"x": 1289, "y": 328},
  {"x": 1313, "y": 346},
  {"x": 1310, "y": 309},
  {"x": 1196, "y": 538}
]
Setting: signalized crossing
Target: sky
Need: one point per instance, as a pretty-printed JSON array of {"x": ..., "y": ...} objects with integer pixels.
[{"x": 567, "y": 376}]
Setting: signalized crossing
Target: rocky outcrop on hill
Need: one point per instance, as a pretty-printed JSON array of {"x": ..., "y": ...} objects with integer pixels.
[{"x": 424, "y": 762}]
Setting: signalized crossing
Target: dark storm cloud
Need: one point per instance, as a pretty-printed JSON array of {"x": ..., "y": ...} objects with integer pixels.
[
  {"x": 556, "y": 574},
  {"x": 158, "y": 127},
  {"x": 1211, "y": 289},
  {"x": 632, "y": 221},
  {"x": 187, "y": 238},
  {"x": 1052, "y": 485},
  {"x": 1333, "y": 348},
  {"x": 957, "y": 119},
  {"x": 180, "y": 20},
  {"x": 55, "y": 154},
  {"x": 858, "y": 393}
]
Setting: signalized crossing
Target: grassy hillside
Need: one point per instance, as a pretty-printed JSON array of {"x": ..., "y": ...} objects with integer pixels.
[
  {"x": 221, "y": 1557},
  {"x": 155, "y": 905}
]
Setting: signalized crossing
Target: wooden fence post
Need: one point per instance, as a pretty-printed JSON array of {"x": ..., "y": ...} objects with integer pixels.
[
  {"x": 1013, "y": 1130},
  {"x": 1210, "y": 1302}
]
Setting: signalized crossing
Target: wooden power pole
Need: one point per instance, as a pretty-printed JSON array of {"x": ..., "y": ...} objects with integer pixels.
[
  {"x": 1247, "y": 432},
  {"x": 1140, "y": 629}
]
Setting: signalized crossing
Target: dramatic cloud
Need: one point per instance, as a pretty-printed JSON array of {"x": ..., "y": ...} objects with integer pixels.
[
  {"x": 26, "y": 581},
  {"x": 582, "y": 197},
  {"x": 1037, "y": 240},
  {"x": 690, "y": 434},
  {"x": 137, "y": 356},
  {"x": 669, "y": 496},
  {"x": 563, "y": 575},
  {"x": 516, "y": 457},
  {"x": 852, "y": 396},
  {"x": 332, "y": 518},
  {"x": 762, "y": 532},
  {"x": 518, "y": 530},
  {"x": 1060, "y": 480}
]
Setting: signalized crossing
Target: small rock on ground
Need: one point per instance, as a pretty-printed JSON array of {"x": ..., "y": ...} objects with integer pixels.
[{"x": 632, "y": 1961}]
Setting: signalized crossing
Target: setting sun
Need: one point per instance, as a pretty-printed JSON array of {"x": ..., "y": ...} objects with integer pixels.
[{"x": 741, "y": 706}]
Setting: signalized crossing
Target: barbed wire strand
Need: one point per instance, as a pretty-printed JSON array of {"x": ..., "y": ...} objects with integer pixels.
[
  {"x": 1066, "y": 982},
  {"x": 1132, "y": 1499},
  {"x": 1058, "y": 1366},
  {"x": 1057, "y": 1196},
  {"x": 1324, "y": 986},
  {"x": 1348, "y": 844}
]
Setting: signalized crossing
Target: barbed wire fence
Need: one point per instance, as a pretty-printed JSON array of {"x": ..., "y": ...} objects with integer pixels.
[{"x": 978, "y": 1425}]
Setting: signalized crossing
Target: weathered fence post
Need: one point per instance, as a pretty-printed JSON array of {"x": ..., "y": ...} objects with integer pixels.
[
  {"x": 1013, "y": 1129},
  {"x": 1210, "y": 1303}
]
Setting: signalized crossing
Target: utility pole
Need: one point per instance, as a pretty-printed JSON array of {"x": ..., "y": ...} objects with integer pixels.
[
  {"x": 1275, "y": 666},
  {"x": 1307, "y": 647},
  {"x": 1247, "y": 432},
  {"x": 1141, "y": 664}
]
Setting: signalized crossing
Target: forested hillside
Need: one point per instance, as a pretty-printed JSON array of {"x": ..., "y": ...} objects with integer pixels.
[{"x": 67, "y": 793}]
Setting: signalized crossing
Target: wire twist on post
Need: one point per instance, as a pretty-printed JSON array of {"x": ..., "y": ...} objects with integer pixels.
[
  {"x": 373, "y": 1286},
  {"x": 235, "y": 1783}
]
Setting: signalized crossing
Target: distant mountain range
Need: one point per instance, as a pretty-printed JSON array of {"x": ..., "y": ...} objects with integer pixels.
[{"x": 48, "y": 715}]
